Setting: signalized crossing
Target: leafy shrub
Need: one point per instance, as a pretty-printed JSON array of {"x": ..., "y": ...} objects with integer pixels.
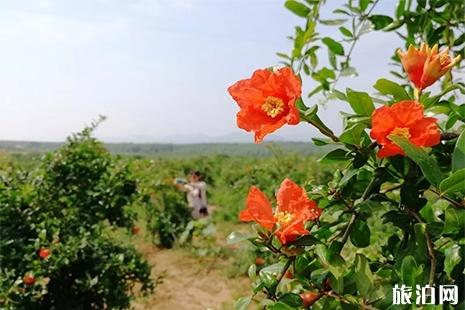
[
  {"x": 166, "y": 213},
  {"x": 56, "y": 250}
]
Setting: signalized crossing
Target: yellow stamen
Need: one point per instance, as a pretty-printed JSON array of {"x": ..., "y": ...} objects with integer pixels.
[
  {"x": 284, "y": 217},
  {"x": 401, "y": 132},
  {"x": 444, "y": 60},
  {"x": 273, "y": 106}
]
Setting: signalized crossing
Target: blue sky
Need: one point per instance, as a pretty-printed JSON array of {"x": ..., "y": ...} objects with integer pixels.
[{"x": 157, "y": 69}]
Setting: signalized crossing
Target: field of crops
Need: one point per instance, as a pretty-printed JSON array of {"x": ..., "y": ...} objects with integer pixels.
[{"x": 105, "y": 209}]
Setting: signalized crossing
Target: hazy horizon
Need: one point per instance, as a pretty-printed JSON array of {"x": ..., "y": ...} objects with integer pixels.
[
  {"x": 234, "y": 138},
  {"x": 158, "y": 70}
]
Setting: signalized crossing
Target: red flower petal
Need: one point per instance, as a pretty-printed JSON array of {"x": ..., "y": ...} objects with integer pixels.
[
  {"x": 292, "y": 232},
  {"x": 267, "y": 101},
  {"x": 405, "y": 118},
  {"x": 407, "y": 112},
  {"x": 294, "y": 208},
  {"x": 425, "y": 132},
  {"x": 258, "y": 209},
  {"x": 390, "y": 149},
  {"x": 382, "y": 123},
  {"x": 293, "y": 199}
]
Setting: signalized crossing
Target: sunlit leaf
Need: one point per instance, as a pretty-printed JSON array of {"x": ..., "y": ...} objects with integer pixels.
[
  {"x": 334, "y": 46},
  {"x": 387, "y": 87},
  {"x": 458, "y": 157},
  {"x": 297, "y": 8},
  {"x": 360, "y": 234},
  {"x": 242, "y": 303},
  {"x": 363, "y": 275},
  {"x": 454, "y": 183},
  {"x": 427, "y": 163},
  {"x": 452, "y": 258},
  {"x": 360, "y": 102}
]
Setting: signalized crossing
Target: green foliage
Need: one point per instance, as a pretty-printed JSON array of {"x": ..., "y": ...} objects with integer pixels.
[
  {"x": 69, "y": 205},
  {"x": 297, "y": 8},
  {"x": 458, "y": 157},
  {"x": 387, "y": 87},
  {"x": 385, "y": 221},
  {"x": 434, "y": 22}
]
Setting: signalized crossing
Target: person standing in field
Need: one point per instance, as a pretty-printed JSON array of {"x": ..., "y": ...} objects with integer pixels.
[{"x": 196, "y": 193}]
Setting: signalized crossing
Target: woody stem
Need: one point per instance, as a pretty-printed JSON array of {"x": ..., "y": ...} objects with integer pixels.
[
  {"x": 430, "y": 247},
  {"x": 349, "y": 228},
  {"x": 326, "y": 131},
  {"x": 354, "y": 216},
  {"x": 271, "y": 247},
  {"x": 454, "y": 203},
  {"x": 271, "y": 292}
]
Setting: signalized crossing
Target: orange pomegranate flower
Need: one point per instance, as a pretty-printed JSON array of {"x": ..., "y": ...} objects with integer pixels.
[
  {"x": 404, "y": 118},
  {"x": 293, "y": 210},
  {"x": 426, "y": 65},
  {"x": 267, "y": 101}
]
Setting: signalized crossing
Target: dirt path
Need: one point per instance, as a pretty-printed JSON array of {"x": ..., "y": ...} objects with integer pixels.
[{"x": 189, "y": 282}]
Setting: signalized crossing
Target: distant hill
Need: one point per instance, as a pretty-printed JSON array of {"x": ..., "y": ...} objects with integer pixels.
[{"x": 181, "y": 150}]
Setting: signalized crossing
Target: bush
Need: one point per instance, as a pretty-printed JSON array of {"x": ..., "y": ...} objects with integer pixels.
[{"x": 56, "y": 250}]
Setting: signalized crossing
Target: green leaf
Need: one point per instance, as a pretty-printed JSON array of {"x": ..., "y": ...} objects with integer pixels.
[
  {"x": 400, "y": 8},
  {"x": 387, "y": 87},
  {"x": 272, "y": 269},
  {"x": 291, "y": 299},
  {"x": 460, "y": 40},
  {"x": 334, "y": 156},
  {"x": 454, "y": 183},
  {"x": 321, "y": 142},
  {"x": 332, "y": 59},
  {"x": 323, "y": 254},
  {"x": 327, "y": 73},
  {"x": 347, "y": 176},
  {"x": 346, "y": 32},
  {"x": 334, "y": 46},
  {"x": 452, "y": 259},
  {"x": 458, "y": 157},
  {"x": 281, "y": 306},
  {"x": 310, "y": 115},
  {"x": 360, "y": 234},
  {"x": 431, "y": 101},
  {"x": 451, "y": 121},
  {"x": 395, "y": 25},
  {"x": 380, "y": 21},
  {"x": 360, "y": 102},
  {"x": 341, "y": 11},
  {"x": 43, "y": 235},
  {"x": 337, "y": 283},
  {"x": 349, "y": 71},
  {"x": 455, "y": 221},
  {"x": 306, "y": 240},
  {"x": 297, "y": 8},
  {"x": 363, "y": 275},
  {"x": 242, "y": 303},
  {"x": 409, "y": 271},
  {"x": 363, "y": 4},
  {"x": 420, "y": 248},
  {"x": 333, "y": 22},
  {"x": 237, "y": 236},
  {"x": 427, "y": 163},
  {"x": 252, "y": 272}
]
